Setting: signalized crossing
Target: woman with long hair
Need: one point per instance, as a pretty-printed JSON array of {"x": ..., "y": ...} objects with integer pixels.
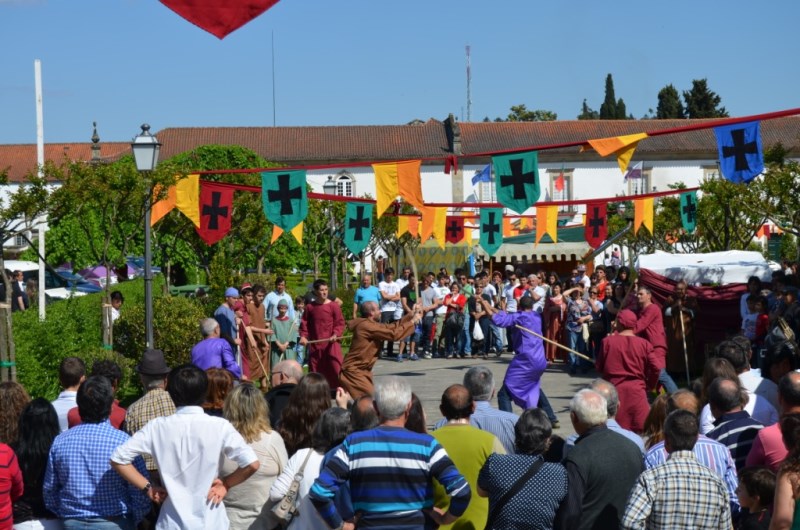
[
  {"x": 220, "y": 382},
  {"x": 785, "y": 510},
  {"x": 309, "y": 399},
  {"x": 555, "y": 309},
  {"x": 13, "y": 398},
  {"x": 416, "y": 420},
  {"x": 330, "y": 431},
  {"x": 247, "y": 503},
  {"x": 38, "y": 427},
  {"x": 653, "y": 431}
]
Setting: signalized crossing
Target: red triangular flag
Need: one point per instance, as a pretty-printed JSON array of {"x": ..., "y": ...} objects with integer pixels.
[
  {"x": 219, "y": 18},
  {"x": 216, "y": 206},
  {"x": 560, "y": 181},
  {"x": 454, "y": 229},
  {"x": 596, "y": 229}
]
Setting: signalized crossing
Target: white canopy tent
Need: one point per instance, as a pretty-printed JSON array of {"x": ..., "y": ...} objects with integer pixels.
[{"x": 720, "y": 268}]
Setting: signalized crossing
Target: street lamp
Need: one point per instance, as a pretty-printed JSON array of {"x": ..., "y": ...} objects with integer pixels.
[
  {"x": 330, "y": 189},
  {"x": 145, "y": 149}
]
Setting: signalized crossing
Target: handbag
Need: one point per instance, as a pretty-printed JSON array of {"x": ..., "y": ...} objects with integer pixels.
[
  {"x": 497, "y": 507},
  {"x": 286, "y": 509},
  {"x": 477, "y": 332},
  {"x": 585, "y": 331},
  {"x": 597, "y": 327}
]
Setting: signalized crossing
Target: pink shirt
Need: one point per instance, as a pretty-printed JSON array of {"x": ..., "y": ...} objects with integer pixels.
[{"x": 768, "y": 449}]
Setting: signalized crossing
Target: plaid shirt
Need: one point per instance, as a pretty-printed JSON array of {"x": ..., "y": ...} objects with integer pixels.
[
  {"x": 79, "y": 481},
  {"x": 154, "y": 404},
  {"x": 680, "y": 493}
]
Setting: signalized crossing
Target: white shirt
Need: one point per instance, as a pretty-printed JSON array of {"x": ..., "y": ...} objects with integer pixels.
[
  {"x": 65, "y": 402},
  {"x": 307, "y": 517},
  {"x": 586, "y": 281},
  {"x": 391, "y": 289},
  {"x": 758, "y": 408},
  {"x": 508, "y": 296},
  {"x": 188, "y": 448},
  {"x": 755, "y": 384},
  {"x": 541, "y": 292},
  {"x": 441, "y": 293}
]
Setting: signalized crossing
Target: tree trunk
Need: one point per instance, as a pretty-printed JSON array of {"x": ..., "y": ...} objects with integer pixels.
[
  {"x": 108, "y": 327},
  {"x": 260, "y": 265},
  {"x": 8, "y": 367}
]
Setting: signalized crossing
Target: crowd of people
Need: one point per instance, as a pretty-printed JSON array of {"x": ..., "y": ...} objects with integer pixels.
[{"x": 271, "y": 425}]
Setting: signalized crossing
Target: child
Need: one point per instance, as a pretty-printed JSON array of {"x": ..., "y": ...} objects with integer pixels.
[
  {"x": 755, "y": 492},
  {"x": 283, "y": 338},
  {"x": 299, "y": 306},
  {"x": 749, "y": 320}
]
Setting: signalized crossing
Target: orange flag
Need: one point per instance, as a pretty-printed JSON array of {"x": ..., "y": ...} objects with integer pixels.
[
  {"x": 413, "y": 226},
  {"x": 276, "y": 233},
  {"x": 184, "y": 195},
  {"x": 643, "y": 214},
  {"x": 402, "y": 225},
  {"x": 398, "y": 178},
  {"x": 508, "y": 228},
  {"x": 467, "y": 231},
  {"x": 297, "y": 232},
  {"x": 433, "y": 223},
  {"x": 622, "y": 146},
  {"x": 546, "y": 222},
  {"x": 162, "y": 207}
]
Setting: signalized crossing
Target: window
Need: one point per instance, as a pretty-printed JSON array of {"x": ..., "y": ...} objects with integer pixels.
[
  {"x": 345, "y": 184},
  {"x": 487, "y": 191},
  {"x": 642, "y": 185},
  {"x": 564, "y": 194}
]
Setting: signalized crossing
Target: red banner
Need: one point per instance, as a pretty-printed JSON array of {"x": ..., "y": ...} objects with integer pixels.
[{"x": 216, "y": 207}]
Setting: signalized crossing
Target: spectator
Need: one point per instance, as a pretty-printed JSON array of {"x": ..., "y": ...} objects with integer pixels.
[
  {"x": 331, "y": 429},
  {"x": 247, "y": 504},
  {"x": 390, "y": 302},
  {"x": 756, "y": 493},
  {"x": 11, "y": 485},
  {"x": 785, "y": 508},
  {"x": 408, "y": 460},
  {"x": 734, "y": 427},
  {"x": 598, "y": 487},
  {"x": 306, "y": 404},
  {"x": 19, "y": 298},
  {"x": 111, "y": 371},
  {"x": 276, "y": 296},
  {"x": 468, "y": 447},
  {"x": 768, "y": 447},
  {"x": 751, "y": 380},
  {"x": 188, "y": 447},
  {"x": 71, "y": 373},
  {"x": 416, "y": 421},
  {"x": 79, "y": 486},
  {"x": 366, "y": 292},
  {"x": 285, "y": 376},
  {"x": 116, "y": 303},
  {"x": 362, "y": 414},
  {"x": 38, "y": 427},
  {"x": 220, "y": 383},
  {"x": 536, "y": 502},
  {"x": 654, "y": 423},
  {"x": 13, "y": 398},
  {"x": 659, "y": 499},
  {"x": 213, "y": 351}
]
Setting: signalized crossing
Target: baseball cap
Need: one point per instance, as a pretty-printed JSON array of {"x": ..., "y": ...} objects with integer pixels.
[{"x": 231, "y": 291}]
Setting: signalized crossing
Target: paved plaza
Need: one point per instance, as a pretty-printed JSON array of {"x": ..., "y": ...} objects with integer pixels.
[{"x": 429, "y": 378}]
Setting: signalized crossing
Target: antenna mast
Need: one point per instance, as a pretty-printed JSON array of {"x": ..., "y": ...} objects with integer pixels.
[{"x": 469, "y": 82}]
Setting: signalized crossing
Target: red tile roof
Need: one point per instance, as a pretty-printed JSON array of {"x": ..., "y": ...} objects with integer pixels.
[{"x": 20, "y": 159}]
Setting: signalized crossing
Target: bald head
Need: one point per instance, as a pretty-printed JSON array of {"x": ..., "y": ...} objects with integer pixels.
[
  {"x": 789, "y": 392},
  {"x": 724, "y": 395},
  {"x": 608, "y": 391},
  {"x": 683, "y": 400},
  {"x": 290, "y": 371},
  {"x": 456, "y": 403}
]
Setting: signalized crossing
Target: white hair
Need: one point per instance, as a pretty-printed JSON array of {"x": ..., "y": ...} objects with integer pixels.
[
  {"x": 392, "y": 396},
  {"x": 589, "y": 407},
  {"x": 207, "y": 326}
]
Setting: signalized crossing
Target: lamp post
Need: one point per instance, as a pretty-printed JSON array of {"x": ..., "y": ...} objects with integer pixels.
[
  {"x": 145, "y": 149},
  {"x": 330, "y": 189}
]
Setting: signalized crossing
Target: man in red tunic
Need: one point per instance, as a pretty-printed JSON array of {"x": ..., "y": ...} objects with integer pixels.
[
  {"x": 629, "y": 363},
  {"x": 323, "y": 320},
  {"x": 650, "y": 327}
]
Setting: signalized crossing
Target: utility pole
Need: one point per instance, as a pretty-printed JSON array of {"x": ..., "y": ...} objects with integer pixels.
[{"x": 469, "y": 82}]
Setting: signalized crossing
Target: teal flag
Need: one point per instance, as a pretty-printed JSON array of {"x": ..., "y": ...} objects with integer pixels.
[
  {"x": 284, "y": 196},
  {"x": 491, "y": 229},
  {"x": 689, "y": 210},
  {"x": 517, "y": 180},
  {"x": 357, "y": 226}
]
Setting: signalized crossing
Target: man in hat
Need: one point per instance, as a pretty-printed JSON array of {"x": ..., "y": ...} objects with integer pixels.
[
  {"x": 628, "y": 362},
  {"x": 226, "y": 317},
  {"x": 155, "y": 403},
  {"x": 582, "y": 278}
]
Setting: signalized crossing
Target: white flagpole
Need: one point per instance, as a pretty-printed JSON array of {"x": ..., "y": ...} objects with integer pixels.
[{"x": 37, "y": 66}]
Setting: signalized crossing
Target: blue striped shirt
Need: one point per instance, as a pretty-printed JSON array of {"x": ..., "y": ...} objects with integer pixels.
[
  {"x": 390, "y": 471},
  {"x": 79, "y": 481},
  {"x": 497, "y": 422}
]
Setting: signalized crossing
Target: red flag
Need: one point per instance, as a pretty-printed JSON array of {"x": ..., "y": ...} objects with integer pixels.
[
  {"x": 219, "y": 18},
  {"x": 454, "y": 229},
  {"x": 560, "y": 181},
  {"x": 216, "y": 206},
  {"x": 596, "y": 229}
]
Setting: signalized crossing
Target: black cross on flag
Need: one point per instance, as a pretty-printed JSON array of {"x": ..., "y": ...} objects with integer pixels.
[
  {"x": 491, "y": 232},
  {"x": 517, "y": 180},
  {"x": 454, "y": 233},
  {"x": 689, "y": 210},
  {"x": 284, "y": 197},
  {"x": 358, "y": 226},
  {"x": 741, "y": 157},
  {"x": 596, "y": 230},
  {"x": 216, "y": 205}
]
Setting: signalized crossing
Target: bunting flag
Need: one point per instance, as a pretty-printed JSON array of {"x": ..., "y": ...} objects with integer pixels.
[
  {"x": 357, "y": 226},
  {"x": 219, "y": 18},
  {"x": 546, "y": 222},
  {"x": 433, "y": 224},
  {"x": 517, "y": 180},
  {"x": 216, "y": 208},
  {"x": 633, "y": 173},
  {"x": 508, "y": 227},
  {"x": 398, "y": 178},
  {"x": 484, "y": 175},
  {"x": 490, "y": 226},
  {"x": 689, "y": 211},
  {"x": 524, "y": 224},
  {"x": 596, "y": 228},
  {"x": 741, "y": 156},
  {"x": 643, "y": 214},
  {"x": 467, "y": 230},
  {"x": 622, "y": 146},
  {"x": 763, "y": 231},
  {"x": 183, "y": 196},
  {"x": 454, "y": 229},
  {"x": 297, "y": 232},
  {"x": 559, "y": 185},
  {"x": 283, "y": 195}
]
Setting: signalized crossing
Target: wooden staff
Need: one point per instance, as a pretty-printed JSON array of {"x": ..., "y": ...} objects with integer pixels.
[
  {"x": 685, "y": 351},
  {"x": 335, "y": 339},
  {"x": 554, "y": 343}
]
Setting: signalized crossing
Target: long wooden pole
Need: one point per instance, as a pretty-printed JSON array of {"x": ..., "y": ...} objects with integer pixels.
[{"x": 554, "y": 343}]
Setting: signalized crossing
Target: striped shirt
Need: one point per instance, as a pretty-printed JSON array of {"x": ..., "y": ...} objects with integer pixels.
[
  {"x": 736, "y": 431},
  {"x": 681, "y": 493},
  {"x": 390, "y": 470},
  {"x": 497, "y": 422}
]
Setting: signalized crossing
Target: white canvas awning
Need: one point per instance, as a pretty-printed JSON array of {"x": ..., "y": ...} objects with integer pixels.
[
  {"x": 528, "y": 252},
  {"x": 722, "y": 268}
]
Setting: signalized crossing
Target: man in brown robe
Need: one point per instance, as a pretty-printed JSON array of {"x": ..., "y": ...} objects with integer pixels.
[
  {"x": 681, "y": 306},
  {"x": 368, "y": 335},
  {"x": 260, "y": 330}
]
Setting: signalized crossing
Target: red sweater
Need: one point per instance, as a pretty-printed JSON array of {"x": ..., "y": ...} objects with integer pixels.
[{"x": 11, "y": 487}]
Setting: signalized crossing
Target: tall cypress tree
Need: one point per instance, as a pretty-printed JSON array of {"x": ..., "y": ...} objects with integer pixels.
[
  {"x": 669, "y": 104},
  {"x": 701, "y": 102},
  {"x": 608, "y": 110}
]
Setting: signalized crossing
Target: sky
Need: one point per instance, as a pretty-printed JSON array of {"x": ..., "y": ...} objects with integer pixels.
[{"x": 122, "y": 63}]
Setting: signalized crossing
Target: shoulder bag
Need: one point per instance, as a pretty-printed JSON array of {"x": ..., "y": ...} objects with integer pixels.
[
  {"x": 515, "y": 488},
  {"x": 286, "y": 509}
]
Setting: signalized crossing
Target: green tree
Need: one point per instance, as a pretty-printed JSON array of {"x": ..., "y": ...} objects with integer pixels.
[
  {"x": 588, "y": 113},
  {"x": 669, "y": 104},
  {"x": 701, "y": 102},
  {"x": 521, "y": 113},
  {"x": 612, "y": 108},
  {"x": 781, "y": 181}
]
